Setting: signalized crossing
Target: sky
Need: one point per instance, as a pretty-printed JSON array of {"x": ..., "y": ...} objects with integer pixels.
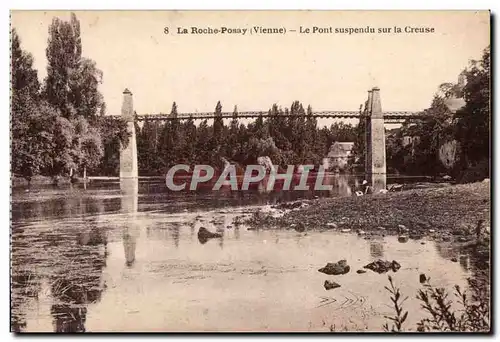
[{"x": 327, "y": 71}]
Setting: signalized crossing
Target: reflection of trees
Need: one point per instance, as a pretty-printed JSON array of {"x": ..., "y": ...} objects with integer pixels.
[
  {"x": 69, "y": 206},
  {"x": 474, "y": 258},
  {"x": 376, "y": 249},
  {"x": 24, "y": 285},
  {"x": 77, "y": 279}
]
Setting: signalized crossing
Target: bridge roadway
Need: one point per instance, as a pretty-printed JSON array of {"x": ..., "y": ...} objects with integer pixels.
[{"x": 389, "y": 117}]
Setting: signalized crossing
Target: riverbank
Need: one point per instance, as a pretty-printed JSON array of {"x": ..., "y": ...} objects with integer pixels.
[{"x": 439, "y": 212}]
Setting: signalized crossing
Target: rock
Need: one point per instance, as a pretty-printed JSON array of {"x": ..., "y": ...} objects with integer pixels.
[
  {"x": 204, "y": 235},
  {"x": 403, "y": 238},
  {"x": 454, "y": 259},
  {"x": 383, "y": 266},
  {"x": 336, "y": 268},
  {"x": 422, "y": 278},
  {"x": 229, "y": 227},
  {"x": 331, "y": 285},
  {"x": 446, "y": 177},
  {"x": 422, "y": 243},
  {"x": 361, "y": 232},
  {"x": 300, "y": 227},
  {"x": 395, "y": 266},
  {"x": 432, "y": 230},
  {"x": 331, "y": 225},
  {"x": 346, "y": 230},
  {"x": 383, "y": 191},
  {"x": 360, "y": 271}
]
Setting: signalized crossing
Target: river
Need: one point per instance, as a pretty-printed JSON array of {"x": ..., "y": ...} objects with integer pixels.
[{"x": 94, "y": 260}]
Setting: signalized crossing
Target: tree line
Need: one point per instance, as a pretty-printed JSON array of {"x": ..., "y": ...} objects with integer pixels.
[{"x": 289, "y": 136}]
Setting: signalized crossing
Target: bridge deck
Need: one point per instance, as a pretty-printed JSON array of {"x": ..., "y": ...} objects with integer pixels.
[{"x": 389, "y": 116}]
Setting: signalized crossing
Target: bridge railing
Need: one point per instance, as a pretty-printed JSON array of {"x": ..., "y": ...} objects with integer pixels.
[{"x": 395, "y": 115}]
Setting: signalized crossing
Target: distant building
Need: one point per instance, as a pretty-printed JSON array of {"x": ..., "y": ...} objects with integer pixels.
[{"x": 338, "y": 157}]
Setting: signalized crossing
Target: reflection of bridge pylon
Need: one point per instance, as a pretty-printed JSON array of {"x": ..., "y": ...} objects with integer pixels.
[{"x": 129, "y": 204}]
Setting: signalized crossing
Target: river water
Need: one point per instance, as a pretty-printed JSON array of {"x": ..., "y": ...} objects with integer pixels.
[{"x": 94, "y": 260}]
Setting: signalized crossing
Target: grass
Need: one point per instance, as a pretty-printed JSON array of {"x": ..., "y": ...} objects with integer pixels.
[{"x": 472, "y": 315}]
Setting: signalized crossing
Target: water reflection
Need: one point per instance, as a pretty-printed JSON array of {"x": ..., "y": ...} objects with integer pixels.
[
  {"x": 61, "y": 244},
  {"x": 25, "y": 285},
  {"x": 77, "y": 281},
  {"x": 376, "y": 249},
  {"x": 130, "y": 231}
]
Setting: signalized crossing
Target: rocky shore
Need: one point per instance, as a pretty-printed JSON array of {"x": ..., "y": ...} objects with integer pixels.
[{"x": 454, "y": 210}]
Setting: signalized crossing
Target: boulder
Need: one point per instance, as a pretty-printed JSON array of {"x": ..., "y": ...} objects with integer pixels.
[
  {"x": 204, "y": 234},
  {"x": 454, "y": 259},
  {"x": 331, "y": 285},
  {"x": 383, "y": 266},
  {"x": 336, "y": 268},
  {"x": 422, "y": 278},
  {"x": 346, "y": 230},
  {"x": 360, "y": 271},
  {"x": 331, "y": 225},
  {"x": 403, "y": 238}
]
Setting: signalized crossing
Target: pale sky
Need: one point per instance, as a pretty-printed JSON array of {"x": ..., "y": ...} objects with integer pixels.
[{"x": 328, "y": 71}]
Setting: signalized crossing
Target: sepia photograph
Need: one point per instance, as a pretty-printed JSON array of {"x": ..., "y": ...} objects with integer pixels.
[{"x": 250, "y": 171}]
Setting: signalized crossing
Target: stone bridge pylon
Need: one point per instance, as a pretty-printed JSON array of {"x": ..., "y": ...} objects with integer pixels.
[
  {"x": 128, "y": 156},
  {"x": 375, "y": 159}
]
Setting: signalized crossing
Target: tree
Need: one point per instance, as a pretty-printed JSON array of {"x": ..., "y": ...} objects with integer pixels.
[
  {"x": 71, "y": 87},
  {"x": 64, "y": 52},
  {"x": 115, "y": 135},
  {"x": 218, "y": 126},
  {"x": 473, "y": 120},
  {"x": 26, "y": 151}
]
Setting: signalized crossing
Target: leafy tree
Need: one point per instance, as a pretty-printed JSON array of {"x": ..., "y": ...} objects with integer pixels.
[
  {"x": 26, "y": 153},
  {"x": 115, "y": 135},
  {"x": 64, "y": 53},
  {"x": 473, "y": 120}
]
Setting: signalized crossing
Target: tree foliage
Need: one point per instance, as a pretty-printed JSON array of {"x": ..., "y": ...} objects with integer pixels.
[
  {"x": 428, "y": 146},
  {"x": 56, "y": 126},
  {"x": 287, "y": 136}
]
